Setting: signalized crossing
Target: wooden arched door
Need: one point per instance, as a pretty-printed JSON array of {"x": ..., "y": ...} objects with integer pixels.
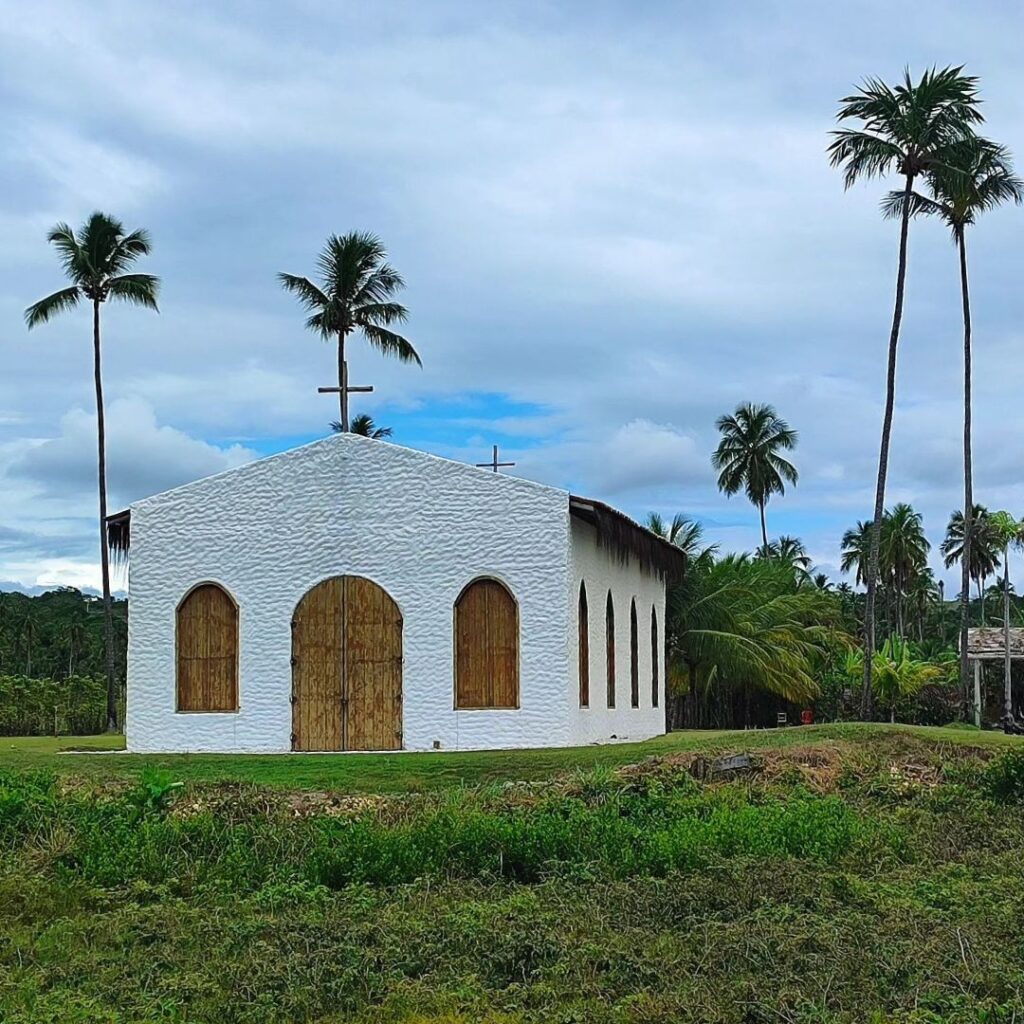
[{"x": 347, "y": 668}]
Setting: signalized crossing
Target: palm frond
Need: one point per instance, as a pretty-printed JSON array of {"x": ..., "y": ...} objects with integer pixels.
[
  {"x": 308, "y": 294},
  {"x": 137, "y": 289},
  {"x": 391, "y": 344},
  {"x": 380, "y": 313},
  {"x": 45, "y": 309}
]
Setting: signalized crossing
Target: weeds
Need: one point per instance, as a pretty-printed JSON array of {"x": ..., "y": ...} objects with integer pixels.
[{"x": 840, "y": 892}]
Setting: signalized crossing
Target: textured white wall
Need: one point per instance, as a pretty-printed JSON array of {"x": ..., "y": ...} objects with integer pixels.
[
  {"x": 602, "y": 570},
  {"x": 420, "y": 526}
]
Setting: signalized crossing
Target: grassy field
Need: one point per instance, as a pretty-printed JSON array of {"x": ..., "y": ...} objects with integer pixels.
[
  {"x": 858, "y": 873},
  {"x": 389, "y": 773}
]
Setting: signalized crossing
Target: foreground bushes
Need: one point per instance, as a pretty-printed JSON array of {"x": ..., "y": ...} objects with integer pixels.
[
  {"x": 618, "y": 834},
  {"x": 76, "y": 706},
  {"x": 634, "y": 898}
]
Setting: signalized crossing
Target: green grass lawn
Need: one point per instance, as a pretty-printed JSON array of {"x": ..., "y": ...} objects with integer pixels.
[
  {"x": 862, "y": 873},
  {"x": 91, "y": 757}
]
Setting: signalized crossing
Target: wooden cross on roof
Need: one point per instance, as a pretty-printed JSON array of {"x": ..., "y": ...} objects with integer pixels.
[
  {"x": 494, "y": 464},
  {"x": 343, "y": 392}
]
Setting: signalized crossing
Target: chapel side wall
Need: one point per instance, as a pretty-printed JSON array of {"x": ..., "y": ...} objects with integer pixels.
[
  {"x": 602, "y": 570},
  {"x": 421, "y": 527}
]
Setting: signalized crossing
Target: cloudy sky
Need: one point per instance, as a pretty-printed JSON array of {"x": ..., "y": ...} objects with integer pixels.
[{"x": 616, "y": 221}]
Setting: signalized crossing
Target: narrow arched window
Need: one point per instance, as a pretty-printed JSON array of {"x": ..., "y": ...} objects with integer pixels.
[
  {"x": 634, "y": 659},
  {"x": 654, "y": 657},
  {"x": 207, "y": 650},
  {"x": 609, "y": 648},
  {"x": 583, "y": 627},
  {"x": 486, "y": 647}
]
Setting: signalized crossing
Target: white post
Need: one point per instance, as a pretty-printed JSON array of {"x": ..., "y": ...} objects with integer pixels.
[{"x": 977, "y": 692}]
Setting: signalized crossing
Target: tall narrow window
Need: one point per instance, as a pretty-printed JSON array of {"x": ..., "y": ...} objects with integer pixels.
[
  {"x": 207, "y": 650},
  {"x": 634, "y": 658},
  {"x": 609, "y": 648},
  {"x": 654, "y": 657},
  {"x": 486, "y": 647},
  {"x": 583, "y": 626}
]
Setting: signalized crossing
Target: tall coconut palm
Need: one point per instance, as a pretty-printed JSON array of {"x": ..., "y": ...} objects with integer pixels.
[
  {"x": 904, "y": 553},
  {"x": 981, "y": 550},
  {"x": 355, "y": 294},
  {"x": 97, "y": 260},
  {"x": 364, "y": 426},
  {"x": 978, "y": 177},
  {"x": 907, "y": 129},
  {"x": 748, "y": 456},
  {"x": 1010, "y": 533}
]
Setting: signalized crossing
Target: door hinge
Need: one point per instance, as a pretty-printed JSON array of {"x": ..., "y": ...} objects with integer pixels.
[
  {"x": 295, "y": 661},
  {"x": 294, "y": 698}
]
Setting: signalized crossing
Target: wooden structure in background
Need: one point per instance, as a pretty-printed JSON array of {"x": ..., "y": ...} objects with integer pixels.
[
  {"x": 207, "y": 650},
  {"x": 987, "y": 643},
  {"x": 347, "y": 668},
  {"x": 486, "y": 647}
]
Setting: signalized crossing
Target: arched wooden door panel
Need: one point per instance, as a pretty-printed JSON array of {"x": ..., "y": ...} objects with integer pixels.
[
  {"x": 486, "y": 647},
  {"x": 347, "y": 668},
  {"x": 207, "y": 650}
]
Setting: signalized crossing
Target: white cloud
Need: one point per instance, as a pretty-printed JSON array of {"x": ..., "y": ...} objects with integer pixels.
[{"x": 144, "y": 457}]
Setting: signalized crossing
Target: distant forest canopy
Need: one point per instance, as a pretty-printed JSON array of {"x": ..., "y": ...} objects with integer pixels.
[{"x": 57, "y": 634}]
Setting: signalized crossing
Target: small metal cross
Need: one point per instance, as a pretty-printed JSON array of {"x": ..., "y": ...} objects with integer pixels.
[{"x": 494, "y": 464}]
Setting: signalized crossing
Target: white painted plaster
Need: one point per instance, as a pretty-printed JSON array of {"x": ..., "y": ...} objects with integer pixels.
[
  {"x": 422, "y": 528},
  {"x": 601, "y": 571}
]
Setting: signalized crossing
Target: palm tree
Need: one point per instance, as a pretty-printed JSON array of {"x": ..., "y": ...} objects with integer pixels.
[
  {"x": 856, "y": 550},
  {"x": 748, "y": 456},
  {"x": 684, "y": 532},
  {"x": 790, "y": 551},
  {"x": 982, "y": 548},
  {"x": 96, "y": 260},
  {"x": 364, "y": 426},
  {"x": 904, "y": 553},
  {"x": 979, "y": 177},
  {"x": 908, "y": 129},
  {"x": 1010, "y": 533},
  {"x": 355, "y": 294}
]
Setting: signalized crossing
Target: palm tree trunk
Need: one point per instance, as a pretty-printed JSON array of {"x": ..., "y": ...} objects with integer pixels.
[
  {"x": 965, "y": 565},
  {"x": 1007, "y": 676},
  {"x": 764, "y": 529},
  {"x": 108, "y": 611},
  {"x": 342, "y": 382},
  {"x": 867, "y": 696}
]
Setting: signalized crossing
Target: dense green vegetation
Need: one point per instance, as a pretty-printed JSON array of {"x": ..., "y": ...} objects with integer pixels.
[
  {"x": 57, "y": 634},
  {"x": 868, "y": 873}
]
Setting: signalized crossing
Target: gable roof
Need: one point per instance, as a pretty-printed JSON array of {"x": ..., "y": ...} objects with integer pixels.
[{"x": 615, "y": 530}]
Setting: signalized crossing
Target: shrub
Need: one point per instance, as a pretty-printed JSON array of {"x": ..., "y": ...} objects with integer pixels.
[{"x": 1003, "y": 779}]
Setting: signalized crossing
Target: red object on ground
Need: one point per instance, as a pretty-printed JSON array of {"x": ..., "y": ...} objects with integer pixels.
[{"x": 807, "y": 717}]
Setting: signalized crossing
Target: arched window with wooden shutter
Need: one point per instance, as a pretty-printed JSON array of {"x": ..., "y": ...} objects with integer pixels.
[
  {"x": 486, "y": 647},
  {"x": 634, "y": 658},
  {"x": 655, "y": 687},
  {"x": 609, "y": 648},
  {"x": 583, "y": 628},
  {"x": 207, "y": 650}
]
